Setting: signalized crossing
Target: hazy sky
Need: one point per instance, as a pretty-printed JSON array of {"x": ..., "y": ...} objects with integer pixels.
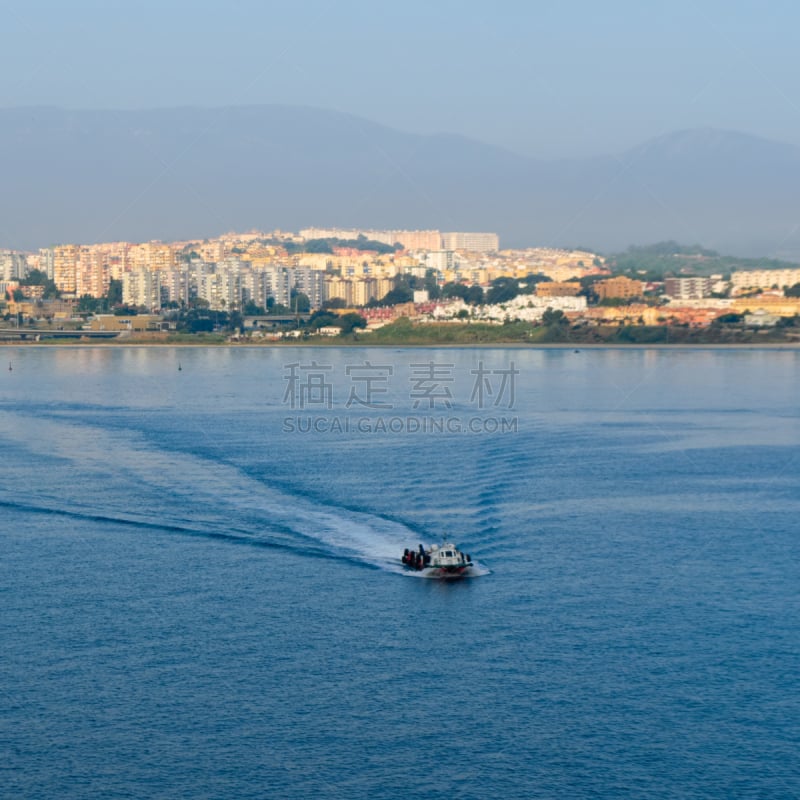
[{"x": 568, "y": 78}]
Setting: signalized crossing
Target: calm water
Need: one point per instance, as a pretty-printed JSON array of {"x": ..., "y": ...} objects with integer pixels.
[{"x": 200, "y": 599}]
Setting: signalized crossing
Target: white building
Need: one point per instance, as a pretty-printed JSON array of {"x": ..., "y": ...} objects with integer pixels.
[
  {"x": 440, "y": 260},
  {"x": 12, "y": 265},
  {"x": 525, "y": 307},
  {"x": 474, "y": 242},
  {"x": 175, "y": 286},
  {"x": 764, "y": 279},
  {"x": 310, "y": 282}
]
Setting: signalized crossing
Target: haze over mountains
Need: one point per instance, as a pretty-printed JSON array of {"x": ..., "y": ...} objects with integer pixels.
[{"x": 88, "y": 176}]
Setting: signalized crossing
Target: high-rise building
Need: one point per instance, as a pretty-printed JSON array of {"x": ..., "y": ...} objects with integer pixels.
[
  {"x": 310, "y": 282},
  {"x": 46, "y": 255},
  {"x": 417, "y": 240},
  {"x": 65, "y": 267},
  {"x": 440, "y": 260},
  {"x": 174, "y": 286},
  {"x": 153, "y": 256},
  {"x": 278, "y": 284},
  {"x": 339, "y": 289},
  {"x": 364, "y": 290},
  {"x": 91, "y": 274},
  {"x": 141, "y": 287},
  {"x": 12, "y": 265}
]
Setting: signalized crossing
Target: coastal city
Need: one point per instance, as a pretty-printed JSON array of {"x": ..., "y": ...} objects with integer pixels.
[{"x": 328, "y": 282}]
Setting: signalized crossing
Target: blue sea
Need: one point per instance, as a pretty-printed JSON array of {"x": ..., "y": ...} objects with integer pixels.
[{"x": 201, "y": 594}]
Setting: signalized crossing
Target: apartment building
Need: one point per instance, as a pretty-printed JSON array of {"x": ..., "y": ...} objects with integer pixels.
[
  {"x": 339, "y": 289},
  {"x": 153, "y": 256},
  {"x": 174, "y": 286},
  {"x": 141, "y": 287},
  {"x": 473, "y": 242},
  {"x": 688, "y": 288},
  {"x": 311, "y": 283},
  {"x": 45, "y": 261},
  {"x": 91, "y": 273},
  {"x": 620, "y": 287},
  {"x": 259, "y": 285},
  {"x": 764, "y": 279},
  {"x": 65, "y": 267},
  {"x": 13, "y": 265}
]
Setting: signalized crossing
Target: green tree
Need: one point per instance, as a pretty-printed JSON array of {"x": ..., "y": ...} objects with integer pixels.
[
  {"x": 474, "y": 295},
  {"x": 402, "y": 293},
  {"x": 126, "y": 311},
  {"x": 792, "y": 291},
  {"x": 114, "y": 293},
  {"x": 318, "y": 246},
  {"x": 51, "y": 291},
  {"x": 236, "y": 321},
  {"x": 452, "y": 289},
  {"x": 502, "y": 290},
  {"x": 432, "y": 284},
  {"x": 253, "y": 310},
  {"x": 554, "y": 319},
  {"x": 300, "y": 302},
  {"x": 351, "y": 321},
  {"x": 322, "y": 318},
  {"x": 87, "y": 303},
  {"x": 36, "y": 277}
]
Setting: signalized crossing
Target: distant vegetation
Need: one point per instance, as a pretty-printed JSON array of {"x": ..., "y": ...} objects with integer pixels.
[
  {"x": 670, "y": 259},
  {"x": 328, "y": 245},
  {"x": 555, "y": 329}
]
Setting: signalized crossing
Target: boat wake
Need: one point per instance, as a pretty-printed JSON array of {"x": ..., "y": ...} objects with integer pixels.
[{"x": 119, "y": 477}]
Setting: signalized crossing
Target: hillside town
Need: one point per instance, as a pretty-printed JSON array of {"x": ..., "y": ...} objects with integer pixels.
[{"x": 330, "y": 281}]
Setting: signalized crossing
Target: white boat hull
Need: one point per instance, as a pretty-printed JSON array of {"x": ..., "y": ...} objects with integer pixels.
[{"x": 444, "y": 562}]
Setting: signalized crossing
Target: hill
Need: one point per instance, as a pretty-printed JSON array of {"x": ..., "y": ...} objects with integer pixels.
[{"x": 87, "y": 176}]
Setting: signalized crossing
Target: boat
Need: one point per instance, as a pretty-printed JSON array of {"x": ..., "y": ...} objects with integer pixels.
[{"x": 443, "y": 560}]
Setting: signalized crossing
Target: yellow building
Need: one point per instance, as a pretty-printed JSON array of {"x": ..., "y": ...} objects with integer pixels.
[
  {"x": 779, "y": 306},
  {"x": 92, "y": 274},
  {"x": 42, "y": 309},
  {"x": 136, "y": 322},
  {"x": 65, "y": 267},
  {"x": 620, "y": 287},
  {"x": 154, "y": 256},
  {"x": 339, "y": 288},
  {"x": 367, "y": 289}
]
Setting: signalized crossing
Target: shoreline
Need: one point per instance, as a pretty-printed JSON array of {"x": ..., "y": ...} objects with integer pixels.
[{"x": 422, "y": 346}]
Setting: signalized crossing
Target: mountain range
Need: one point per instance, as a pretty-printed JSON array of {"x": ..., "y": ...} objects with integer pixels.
[{"x": 181, "y": 173}]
